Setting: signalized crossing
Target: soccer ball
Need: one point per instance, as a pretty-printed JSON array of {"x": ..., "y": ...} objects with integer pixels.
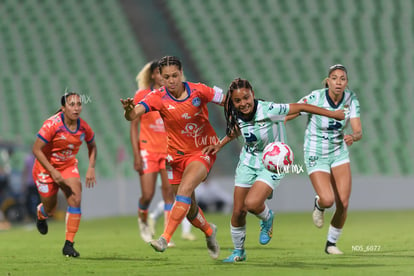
[{"x": 277, "y": 156}]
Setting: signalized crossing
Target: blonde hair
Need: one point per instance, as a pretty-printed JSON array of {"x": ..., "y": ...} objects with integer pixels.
[{"x": 143, "y": 78}]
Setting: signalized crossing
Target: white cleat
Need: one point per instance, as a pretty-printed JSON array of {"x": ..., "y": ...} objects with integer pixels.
[
  {"x": 212, "y": 245},
  {"x": 151, "y": 224},
  {"x": 317, "y": 215},
  {"x": 171, "y": 244},
  {"x": 159, "y": 245},
  {"x": 332, "y": 249},
  {"x": 145, "y": 231},
  {"x": 188, "y": 236}
]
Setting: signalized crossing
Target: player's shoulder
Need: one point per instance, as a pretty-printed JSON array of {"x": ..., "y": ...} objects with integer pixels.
[
  {"x": 196, "y": 86},
  {"x": 54, "y": 120}
]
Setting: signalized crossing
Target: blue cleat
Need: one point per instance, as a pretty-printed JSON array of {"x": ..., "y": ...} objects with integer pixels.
[
  {"x": 238, "y": 255},
  {"x": 266, "y": 229}
]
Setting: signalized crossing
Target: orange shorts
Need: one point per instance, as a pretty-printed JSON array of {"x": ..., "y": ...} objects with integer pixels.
[
  {"x": 44, "y": 182},
  {"x": 153, "y": 161},
  {"x": 179, "y": 162}
]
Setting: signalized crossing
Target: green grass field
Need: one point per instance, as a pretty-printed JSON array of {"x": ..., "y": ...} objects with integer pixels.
[{"x": 374, "y": 243}]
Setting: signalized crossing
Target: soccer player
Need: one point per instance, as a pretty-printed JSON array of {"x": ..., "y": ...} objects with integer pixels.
[
  {"x": 259, "y": 122},
  {"x": 58, "y": 141},
  {"x": 326, "y": 151},
  {"x": 183, "y": 108},
  {"x": 149, "y": 146}
]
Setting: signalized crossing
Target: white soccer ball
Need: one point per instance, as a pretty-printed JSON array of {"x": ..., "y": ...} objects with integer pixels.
[{"x": 277, "y": 157}]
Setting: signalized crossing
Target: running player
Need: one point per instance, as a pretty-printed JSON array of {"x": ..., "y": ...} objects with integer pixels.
[
  {"x": 326, "y": 151},
  {"x": 259, "y": 122},
  {"x": 183, "y": 108},
  {"x": 58, "y": 141},
  {"x": 149, "y": 146}
]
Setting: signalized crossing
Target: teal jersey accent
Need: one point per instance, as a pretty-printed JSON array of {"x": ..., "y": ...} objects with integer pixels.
[
  {"x": 266, "y": 126},
  {"x": 323, "y": 135}
]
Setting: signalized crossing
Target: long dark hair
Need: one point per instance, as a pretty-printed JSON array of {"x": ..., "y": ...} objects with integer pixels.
[
  {"x": 64, "y": 98},
  {"x": 230, "y": 111}
]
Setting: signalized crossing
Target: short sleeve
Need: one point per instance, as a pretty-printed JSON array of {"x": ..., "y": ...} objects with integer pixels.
[
  {"x": 278, "y": 112},
  {"x": 47, "y": 131},
  {"x": 354, "y": 107}
]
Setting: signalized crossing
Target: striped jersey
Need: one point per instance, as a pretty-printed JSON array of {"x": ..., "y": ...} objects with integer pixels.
[
  {"x": 266, "y": 126},
  {"x": 323, "y": 135}
]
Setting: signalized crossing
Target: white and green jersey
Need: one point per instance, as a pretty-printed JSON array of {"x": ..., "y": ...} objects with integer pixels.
[
  {"x": 323, "y": 135},
  {"x": 266, "y": 126}
]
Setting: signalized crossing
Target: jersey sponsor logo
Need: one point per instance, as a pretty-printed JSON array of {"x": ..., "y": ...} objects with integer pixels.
[
  {"x": 62, "y": 137},
  {"x": 193, "y": 130},
  {"x": 43, "y": 188},
  {"x": 186, "y": 116},
  {"x": 196, "y": 101},
  {"x": 250, "y": 137},
  {"x": 82, "y": 137},
  {"x": 334, "y": 125},
  {"x": 205, "y": 157},
  {"x": 170, "y": 107},
  {"x": 283, "y": 109},
  {"x": 42, "y": 175}
]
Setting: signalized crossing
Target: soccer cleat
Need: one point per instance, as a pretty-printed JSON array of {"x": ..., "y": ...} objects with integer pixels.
[
  {"x": 69, "y": 251},
  {"x": 188, "y": 236},
  {"x": 331, "y": 248},
  {"x": 317, "y": 214},
  {"x": 151, "y": 224},
  {"x": 212, "y": 245},
  {"x": 41, "y": 225},
  {"x": 266, "y": 229},
  {"x": 145, "y": 231},
  {"x": 171, "y": 244},
  {"x": 238, "y": 255},
  {"x": 159, "y": 245}
]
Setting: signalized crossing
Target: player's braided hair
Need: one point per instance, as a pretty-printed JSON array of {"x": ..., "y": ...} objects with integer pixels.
[
  {"x": 168, "y": 61},
  {"x": 230, "y": 111}
]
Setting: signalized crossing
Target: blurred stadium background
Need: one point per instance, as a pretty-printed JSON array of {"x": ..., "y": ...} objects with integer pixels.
[{"x": 284, "y": 48}]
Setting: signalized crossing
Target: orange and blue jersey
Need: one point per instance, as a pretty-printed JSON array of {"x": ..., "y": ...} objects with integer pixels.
[
  {"x": 62, "y": 144},
  {"x": 152, "y": 136},
  {"x": 186, "y": 121}
]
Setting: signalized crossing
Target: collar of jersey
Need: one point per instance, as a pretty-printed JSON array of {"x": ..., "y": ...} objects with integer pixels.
[
  {"x": 331, "y": 103},
  {"x": 186, "y": 87},
  {"x": 241, "y": 117},
  {"x": 63, "y": 121}
]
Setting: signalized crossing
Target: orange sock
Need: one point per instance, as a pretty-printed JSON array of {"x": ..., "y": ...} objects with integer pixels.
[
  {"x": 178, "y": 213},
  {"x": 73, "y": 217},
  {"x": 201, "y": 223},
  {"x": 167, "y": 215}
]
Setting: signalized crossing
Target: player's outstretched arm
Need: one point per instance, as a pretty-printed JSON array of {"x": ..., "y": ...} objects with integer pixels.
[
  {"x": 309, "y": 108},
  {"x": 131, "y": 111}
]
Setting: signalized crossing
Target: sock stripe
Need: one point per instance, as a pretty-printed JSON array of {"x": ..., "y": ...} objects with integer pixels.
[
  {"x": 74, "y": 210},
  {"x": 42, "y": 210},
  {"x": 184, "y": 199},
  {"x": 168, "y": 207},
  {"x": 142, "y": 207}
]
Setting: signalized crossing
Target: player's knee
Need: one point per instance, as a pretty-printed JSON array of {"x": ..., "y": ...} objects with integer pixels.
[
  {"x": 252, "y": 204},
  {"x": 342, "y": 204},
  {"x": 239, "y": 214},
  {"x": 326, "y": 202}
]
